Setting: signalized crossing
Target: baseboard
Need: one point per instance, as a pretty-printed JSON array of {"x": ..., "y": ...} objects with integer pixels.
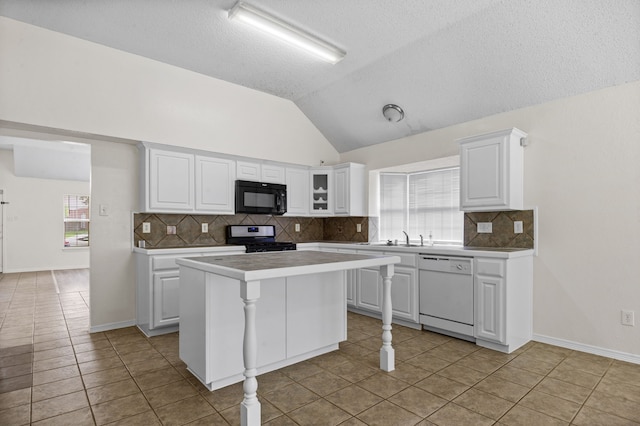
[
  {"x": 43, "y": 269},
  {"x": 595, "y": 350},
  {"x": 111, "y": 326}
]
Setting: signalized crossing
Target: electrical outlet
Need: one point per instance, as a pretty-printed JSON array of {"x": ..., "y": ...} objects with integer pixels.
[
  {"x": 628, "y": 318},
  {"x": 358, "y": 227},
  {"x": 205, "y": 228},
  {"x": 146, "y": 227},
  {"x": 297, "y": 227},
  {"x": 517, "y": 227},
  {"x": 485, "y": 227}
]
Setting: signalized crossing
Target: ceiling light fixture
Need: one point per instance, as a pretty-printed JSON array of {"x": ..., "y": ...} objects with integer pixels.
[
  {"x": 259, "y": 19},
  {"x": 392, "y": 112}
]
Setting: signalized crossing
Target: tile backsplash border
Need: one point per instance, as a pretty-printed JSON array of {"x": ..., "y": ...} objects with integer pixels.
[{"x": 188, "y": 231}]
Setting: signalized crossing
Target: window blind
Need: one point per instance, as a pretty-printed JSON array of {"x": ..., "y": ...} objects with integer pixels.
[{"x": 421, "y": 203}]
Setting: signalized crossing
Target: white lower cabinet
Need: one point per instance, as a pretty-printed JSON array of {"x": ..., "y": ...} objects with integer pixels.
[
  {"x": 490, "y": 308},
  {"x": 166, "y": 306},
  {"x": 404, "y": 292},
  {"x": 369, "y": 290},
  {"x": 503, "y": 301},
  {"x": 158, "y": 288},
  {"x": 404, "y": 288}
]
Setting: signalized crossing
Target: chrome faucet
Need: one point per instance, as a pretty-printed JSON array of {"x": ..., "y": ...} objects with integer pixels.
[
  {"x": 421, "y": 241},
  {"x": 407, "y": 237}
]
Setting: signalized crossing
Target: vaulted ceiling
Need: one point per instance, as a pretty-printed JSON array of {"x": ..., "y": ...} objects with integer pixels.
[{"x": 443, "y": 61}]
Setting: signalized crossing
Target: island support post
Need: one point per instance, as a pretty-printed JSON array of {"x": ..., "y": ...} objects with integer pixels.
[
  {"x": 387, "y": 353},
  {"x": 250, "y": 406}
]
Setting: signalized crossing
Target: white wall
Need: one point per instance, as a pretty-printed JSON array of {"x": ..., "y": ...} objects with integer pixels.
[
  {"x": 114, "y": 182},
  {"x": 50, "y": 82},
  {"x": 582, "y": 170},
  {"x": 33, "y": 231},
  {"x": 54, "y": 80}
]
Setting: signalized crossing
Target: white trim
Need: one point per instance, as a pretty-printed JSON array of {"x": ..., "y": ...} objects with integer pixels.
[
  {"x": 112, "y": 326},
  {"x": 595, "y": 350}
]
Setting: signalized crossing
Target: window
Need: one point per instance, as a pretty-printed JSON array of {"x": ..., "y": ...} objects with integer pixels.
[
  {"x": 421, "y": 203},
  {"x": 76, "y": 220}
]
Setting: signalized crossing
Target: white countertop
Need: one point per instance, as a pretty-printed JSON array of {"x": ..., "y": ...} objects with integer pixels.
[
  {"x": 444, "y": 250},
  {"x": 258, "y": 266}
]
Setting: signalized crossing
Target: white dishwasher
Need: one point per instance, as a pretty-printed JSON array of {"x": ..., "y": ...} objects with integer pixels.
[{"x": 446, "y": 295}]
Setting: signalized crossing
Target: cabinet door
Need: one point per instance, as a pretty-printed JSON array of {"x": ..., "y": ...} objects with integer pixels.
[
  {"x": 490, "y": 308},
  {"x": 297, "y": 191},
  {"x": 404, "y": 294},
  {"x": 171, "y": 181},
  {"x": 248, "y": 171},
  {"x": 369, "y": 293},
  {"x": 215, "y": 185},
  {"x": 491, "y": 171},
  {"x": 483, "y": 173},
  {"x": 166, "y": 299},
  {"x": 351, "y": 281},
  {"x": 272, "y": 174},
  {"x": 341, "y": 192},
  {"x": 322, "y": 192}
]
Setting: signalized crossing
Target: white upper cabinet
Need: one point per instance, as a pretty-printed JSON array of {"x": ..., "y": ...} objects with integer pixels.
[
  {"x": 297, "y": 191},
  {"x": 321, "y": 201},
  {"x": 170, "y": 181},
  {"x": 272, "y": 174},
  {"x": 215, "y": 185},
  {"x": 349, "y": 189},
  {"x": 183, "y": 182},
  {"x": 492, "y": 171},
  {"x": 257, "y": 172},
  {"x": 248, "y": 171}
]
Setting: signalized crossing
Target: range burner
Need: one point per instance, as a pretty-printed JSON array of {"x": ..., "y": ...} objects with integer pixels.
[
  {"x": 257, "y": 238},
  {"x": 275, "y": 246}
]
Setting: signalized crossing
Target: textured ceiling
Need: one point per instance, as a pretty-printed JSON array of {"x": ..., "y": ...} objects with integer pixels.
[{"x": 443, "y": 61}]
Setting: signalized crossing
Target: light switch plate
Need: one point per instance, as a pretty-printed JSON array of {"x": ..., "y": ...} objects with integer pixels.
[
  {"x": 146, "y": 227},
  {"x": 171, "y": 230},
  {"x": 517, "y": 227},
  {"x": 205, "y": 228},
  {"x": 485, "y": 227},
  {"x": 104, "y": 210}
]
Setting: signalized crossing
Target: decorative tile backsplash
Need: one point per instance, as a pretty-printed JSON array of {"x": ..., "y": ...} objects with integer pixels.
[
  {"x": 182, "y": 230},
  {"x": 502, "y": 234}
]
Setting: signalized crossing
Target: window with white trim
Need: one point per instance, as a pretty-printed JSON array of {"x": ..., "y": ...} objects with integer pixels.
[
  {"x": 76, "y": 220},
  {"x": 421, "y": 203}
]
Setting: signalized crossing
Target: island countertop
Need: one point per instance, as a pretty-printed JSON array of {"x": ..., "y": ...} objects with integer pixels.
[{"x": 259, "y": 266}]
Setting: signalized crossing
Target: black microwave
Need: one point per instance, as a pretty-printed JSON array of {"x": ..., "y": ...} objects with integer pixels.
[{"x": 260, "y": 197}]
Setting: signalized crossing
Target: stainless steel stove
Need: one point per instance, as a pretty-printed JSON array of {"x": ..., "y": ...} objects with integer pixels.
[{"x": 257, "y": 238}]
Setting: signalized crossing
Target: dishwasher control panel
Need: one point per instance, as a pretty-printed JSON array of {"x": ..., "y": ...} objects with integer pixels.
[{"x": 454, "y": 265}]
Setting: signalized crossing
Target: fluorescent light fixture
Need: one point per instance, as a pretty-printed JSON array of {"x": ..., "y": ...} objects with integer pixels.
[{"x": 259, "y": 19}]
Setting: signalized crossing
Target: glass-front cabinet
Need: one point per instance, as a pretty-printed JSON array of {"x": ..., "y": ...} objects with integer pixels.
[{"x": 321, "y": 191}]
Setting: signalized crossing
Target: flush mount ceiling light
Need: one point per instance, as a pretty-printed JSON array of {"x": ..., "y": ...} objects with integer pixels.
[
  {"x": 259, "y": 19},
  {"x": 392, "y": 112}
]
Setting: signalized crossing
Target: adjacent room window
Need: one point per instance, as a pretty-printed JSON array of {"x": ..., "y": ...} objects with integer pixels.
[
  {"x": 421, "y": 203},
  {"x": 76, "y": 220}
]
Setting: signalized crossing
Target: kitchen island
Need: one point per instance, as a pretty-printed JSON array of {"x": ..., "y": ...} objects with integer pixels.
[{"x": 247, "y": 314}]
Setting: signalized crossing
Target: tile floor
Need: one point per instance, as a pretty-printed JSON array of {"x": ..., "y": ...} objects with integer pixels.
[{"x": 53, "y": 372}]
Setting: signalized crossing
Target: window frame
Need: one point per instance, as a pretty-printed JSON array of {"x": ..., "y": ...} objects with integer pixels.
[
  {"x": 407, "y": 215},
  {"x": 65, "y": 220}
]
